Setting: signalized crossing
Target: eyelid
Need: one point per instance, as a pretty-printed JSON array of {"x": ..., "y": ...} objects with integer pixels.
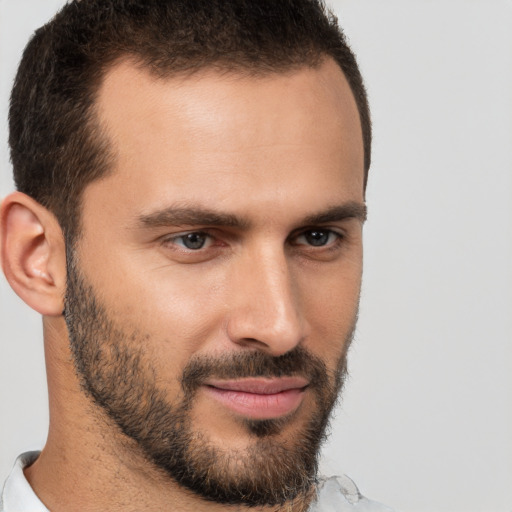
[
  {"x": 172, "y": 238},
  {"x": 338, "y": 232}
]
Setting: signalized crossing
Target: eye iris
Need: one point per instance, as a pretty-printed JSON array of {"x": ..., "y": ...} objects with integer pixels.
[
  {"x": 194, "y": 240},
  {"x": 317, "y": 238}
]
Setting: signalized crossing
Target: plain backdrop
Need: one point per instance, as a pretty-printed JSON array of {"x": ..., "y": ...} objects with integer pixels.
[{"x": 426, "y": 419}]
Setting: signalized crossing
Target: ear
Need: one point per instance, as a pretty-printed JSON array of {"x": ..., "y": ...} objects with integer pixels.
[{"x": 33, "y": 253}]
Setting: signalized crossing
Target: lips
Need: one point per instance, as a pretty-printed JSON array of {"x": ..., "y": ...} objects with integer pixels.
[{"x": 259, "y": 398}]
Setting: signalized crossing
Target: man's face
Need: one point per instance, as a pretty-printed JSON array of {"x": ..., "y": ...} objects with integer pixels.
[{"x": 214, "y": 290}]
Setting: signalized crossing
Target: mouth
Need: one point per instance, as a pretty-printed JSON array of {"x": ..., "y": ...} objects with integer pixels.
[{"x": 259, "y": 398}]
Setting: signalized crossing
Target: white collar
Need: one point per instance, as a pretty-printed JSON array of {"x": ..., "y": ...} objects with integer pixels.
[
  {"x": 338, "y": 494},
  {"x": 17, "y": 495}
]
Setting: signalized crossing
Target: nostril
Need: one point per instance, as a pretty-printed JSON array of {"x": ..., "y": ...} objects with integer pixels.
[
  {"x": 265, "y": 336},
  {"x": 251, "y": 343}
]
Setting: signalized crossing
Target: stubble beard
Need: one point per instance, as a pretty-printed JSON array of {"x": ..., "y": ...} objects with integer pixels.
[{"x": 115, "y": 373}]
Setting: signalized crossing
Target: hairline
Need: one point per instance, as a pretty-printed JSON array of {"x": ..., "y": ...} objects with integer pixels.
[{"x": 97, "y": 132}]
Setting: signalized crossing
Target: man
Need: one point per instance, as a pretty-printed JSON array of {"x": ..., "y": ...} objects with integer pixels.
[{"x": 188, "y": 221}]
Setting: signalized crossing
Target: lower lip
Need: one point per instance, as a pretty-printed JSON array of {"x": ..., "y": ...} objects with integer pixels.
[{"x": 258, "y": 406}]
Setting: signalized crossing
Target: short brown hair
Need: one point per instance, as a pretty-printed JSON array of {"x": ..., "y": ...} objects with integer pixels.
[{"x": 56, "y": 145}]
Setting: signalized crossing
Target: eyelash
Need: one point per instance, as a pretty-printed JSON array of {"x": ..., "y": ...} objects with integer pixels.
[
  {"x": 339, "y": 238},
  {"x": 333, "y": 244},
  {"x": 174, "y": 238}
]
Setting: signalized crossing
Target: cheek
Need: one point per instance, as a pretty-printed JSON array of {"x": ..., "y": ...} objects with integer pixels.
[
  {"x": 176, "y": 308},
  {"x": 331, "y": 308}
]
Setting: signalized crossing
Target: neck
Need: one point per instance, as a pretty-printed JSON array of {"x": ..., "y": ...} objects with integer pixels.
[{"x": 87, "y": 464}]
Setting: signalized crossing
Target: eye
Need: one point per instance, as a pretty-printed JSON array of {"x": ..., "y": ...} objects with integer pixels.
[
  {"x": 318, "y": 238},
  {"x": 192, "y": 241}
]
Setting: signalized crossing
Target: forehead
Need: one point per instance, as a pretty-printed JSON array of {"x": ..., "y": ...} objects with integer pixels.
[{"x": 228, "y": 132}]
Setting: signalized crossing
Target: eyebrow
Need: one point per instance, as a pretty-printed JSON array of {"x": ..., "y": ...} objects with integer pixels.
[
  {"x": 198, "y": 216},
  {"x": 191, "y": 216},
  {"x": 350, "y": 210}
]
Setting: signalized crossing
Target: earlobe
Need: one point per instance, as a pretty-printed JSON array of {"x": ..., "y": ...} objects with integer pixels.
[{"x": 33, "y": 253}]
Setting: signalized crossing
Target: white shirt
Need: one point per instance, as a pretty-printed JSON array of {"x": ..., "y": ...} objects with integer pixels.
[
  {"x": 335, "y": 494},
  {"x": 17, "y": 495}
]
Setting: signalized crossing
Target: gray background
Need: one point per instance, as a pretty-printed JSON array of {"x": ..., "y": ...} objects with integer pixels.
[{"x": 426, "y": 420}]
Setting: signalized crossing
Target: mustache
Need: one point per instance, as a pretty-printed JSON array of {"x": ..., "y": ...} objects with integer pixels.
[{"x": 297, "y": 362}]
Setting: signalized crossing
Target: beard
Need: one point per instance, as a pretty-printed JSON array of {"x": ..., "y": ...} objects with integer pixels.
[{"x": 116, "y": 373}]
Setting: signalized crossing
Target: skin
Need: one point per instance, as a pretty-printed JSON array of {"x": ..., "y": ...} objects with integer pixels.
[{"x": 272, "y": 152}]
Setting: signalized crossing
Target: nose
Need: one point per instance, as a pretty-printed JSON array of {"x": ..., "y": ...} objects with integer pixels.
[{"x": 265, "y": 311}]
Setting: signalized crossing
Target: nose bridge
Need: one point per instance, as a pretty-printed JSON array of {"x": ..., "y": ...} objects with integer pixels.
[{"x": 267, "y": 310}]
